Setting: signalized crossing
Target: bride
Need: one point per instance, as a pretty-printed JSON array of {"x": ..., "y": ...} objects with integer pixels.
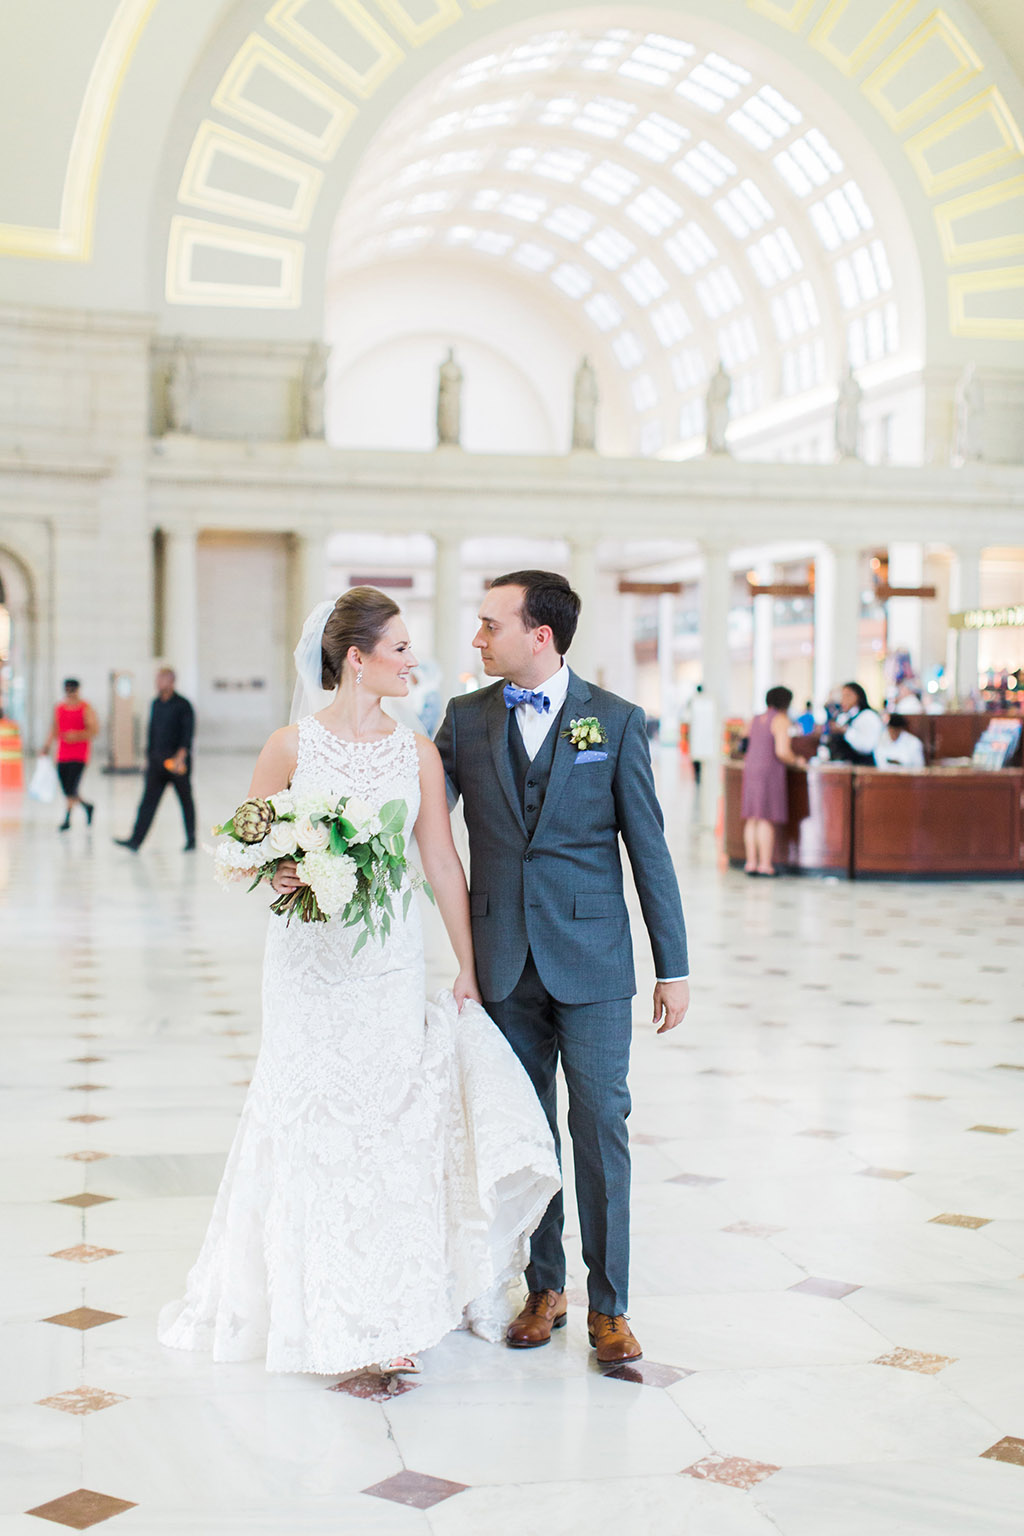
[{"x": 392, "y": 1158}]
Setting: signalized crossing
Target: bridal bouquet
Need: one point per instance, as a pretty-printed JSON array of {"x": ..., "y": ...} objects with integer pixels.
[{"x": 349, "y": 856}]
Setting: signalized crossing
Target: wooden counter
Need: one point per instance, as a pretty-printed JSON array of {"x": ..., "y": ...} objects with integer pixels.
[{"x": 868, "y": 821}]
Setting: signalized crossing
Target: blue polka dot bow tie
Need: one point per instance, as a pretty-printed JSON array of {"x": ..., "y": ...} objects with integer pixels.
[{"x": 514, "y": 696}]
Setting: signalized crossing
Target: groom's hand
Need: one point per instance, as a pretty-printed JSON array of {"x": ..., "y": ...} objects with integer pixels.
[{"x": 671, "y": 1000}]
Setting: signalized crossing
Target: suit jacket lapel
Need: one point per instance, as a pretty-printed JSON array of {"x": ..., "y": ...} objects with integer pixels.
[
  {"x": 497, "y": 735},
  {"x": 565, "y": 753}
]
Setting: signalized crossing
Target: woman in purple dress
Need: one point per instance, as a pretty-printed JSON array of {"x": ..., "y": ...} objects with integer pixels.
[{"x": 765, "y": 798}]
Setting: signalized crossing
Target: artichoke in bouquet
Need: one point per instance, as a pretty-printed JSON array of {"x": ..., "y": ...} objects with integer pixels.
[{"x": 253, "y": 820}]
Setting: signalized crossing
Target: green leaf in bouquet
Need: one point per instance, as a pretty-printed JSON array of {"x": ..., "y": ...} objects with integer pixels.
[
  {"x": 338, "y": 844},
  {"x": 396, "y": 874},
  {"x": 362, "y": 854},
  {"x": 392, "y": 812},
  {"x": 385, "y": 925},
  {"x": 346, "y": 828},
  {"x": 406, "y": 903},
  {"x": 357, "y": 946},
  {"x": 430, "y": 895},
  {"x": 377, "y": 847}
]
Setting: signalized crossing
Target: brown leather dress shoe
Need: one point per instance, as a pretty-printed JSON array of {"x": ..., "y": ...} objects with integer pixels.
[
  {"x": 613, "y": 1339},
  {"x": 544, "y": 1310}
]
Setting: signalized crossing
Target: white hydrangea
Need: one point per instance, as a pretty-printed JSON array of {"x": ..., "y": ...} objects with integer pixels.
[
  {"x": 314, "y": 806},
  {"x": 332, "y": 879},
  {"x": 236, "y": 861},
  {"x": 283, "y": 804}
]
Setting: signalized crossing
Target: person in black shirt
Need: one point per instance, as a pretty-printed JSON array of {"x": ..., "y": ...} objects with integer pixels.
[{"x": 168, "y": 761}]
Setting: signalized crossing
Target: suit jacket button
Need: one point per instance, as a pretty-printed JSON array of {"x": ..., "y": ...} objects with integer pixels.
[
  {"x": 527, "y": 857},
  {"x": 531, "y": 808},
  {"x": 531, "y": 783}
]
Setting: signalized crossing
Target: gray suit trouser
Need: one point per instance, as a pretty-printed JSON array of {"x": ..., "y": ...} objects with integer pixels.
[{"x": 592, "y": 1040}]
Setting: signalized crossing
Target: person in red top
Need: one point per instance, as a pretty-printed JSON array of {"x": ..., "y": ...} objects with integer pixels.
[{"x": 74, "y": 726}]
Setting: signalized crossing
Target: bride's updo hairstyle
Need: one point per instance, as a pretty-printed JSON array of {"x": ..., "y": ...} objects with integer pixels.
[{"x": 359, "y": 618}]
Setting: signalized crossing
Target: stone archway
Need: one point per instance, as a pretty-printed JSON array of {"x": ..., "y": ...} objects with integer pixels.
[{"x": 19, "y": 645}]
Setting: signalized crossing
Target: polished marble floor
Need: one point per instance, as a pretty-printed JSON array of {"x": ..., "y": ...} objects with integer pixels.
[{"x": 828, "y": 1227}]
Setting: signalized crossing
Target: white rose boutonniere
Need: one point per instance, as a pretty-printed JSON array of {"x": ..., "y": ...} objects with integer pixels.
[{"x": 585, "y": 735}]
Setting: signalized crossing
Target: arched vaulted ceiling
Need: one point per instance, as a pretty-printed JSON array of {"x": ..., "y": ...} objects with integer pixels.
[
  {"x": 689, "y": 208},
  {"x": 190, "y": 156}
]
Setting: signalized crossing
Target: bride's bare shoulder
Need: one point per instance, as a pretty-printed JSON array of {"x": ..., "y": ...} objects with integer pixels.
[{"x": 276, "y": 763}]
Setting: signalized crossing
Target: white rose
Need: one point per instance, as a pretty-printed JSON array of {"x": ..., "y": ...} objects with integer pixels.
[
  {"x": 312, "y": 837},
  {"x": 282, "y": 839},
  {"x": 358, "y": 812},
  {"x": 284, "y": 803}
]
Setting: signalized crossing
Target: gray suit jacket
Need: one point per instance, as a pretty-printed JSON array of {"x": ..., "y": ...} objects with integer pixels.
[{"x": 559, "y": 894}]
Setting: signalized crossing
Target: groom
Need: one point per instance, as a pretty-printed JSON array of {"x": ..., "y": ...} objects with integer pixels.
[{"x": 553, "y": 950}]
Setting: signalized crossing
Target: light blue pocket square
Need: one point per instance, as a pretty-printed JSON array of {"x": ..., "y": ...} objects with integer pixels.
[{"x": 591, "y": 757}]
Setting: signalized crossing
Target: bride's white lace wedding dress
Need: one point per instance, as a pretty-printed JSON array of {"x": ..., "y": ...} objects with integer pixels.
[{"x": 392, "y": 1158}]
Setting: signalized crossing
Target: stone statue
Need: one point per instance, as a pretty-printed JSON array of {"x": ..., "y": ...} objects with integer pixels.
[
  {"x": 848, "y": 399},
  {"x": 314, "y": 379},
  {"x": 717, "y": 406},
  {"x": 584, "y": 406},
  {"x": 181, "y": 388},
  {"x": 969, "y": 408},
  {"x": 449, "y": 401}
]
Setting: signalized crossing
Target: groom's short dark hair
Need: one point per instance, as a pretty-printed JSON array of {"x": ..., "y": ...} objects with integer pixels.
[{"x": 548, "y": 599}]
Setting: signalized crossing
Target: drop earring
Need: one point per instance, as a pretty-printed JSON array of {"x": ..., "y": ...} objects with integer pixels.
[{"x": 359, "y": 678}]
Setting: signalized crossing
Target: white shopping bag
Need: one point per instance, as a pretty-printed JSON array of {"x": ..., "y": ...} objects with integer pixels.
[{"x": 44, "y": 782}]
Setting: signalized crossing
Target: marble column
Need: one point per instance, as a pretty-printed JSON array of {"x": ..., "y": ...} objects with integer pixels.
[
  {"x": 715, "y": 592},
  {"x": 905, "y": 615},
  {"x": 837, "y": 590},
  {"x": 309, "y": 574},
  {"x": 448, "y": 649},
  {"x": 181, "y": 609},
  {"x": 965, "y": 593},
  {"x": 583, "y": 576},
  {"x": 763, "y": 670},
  {"x": 668, "y": 731}
]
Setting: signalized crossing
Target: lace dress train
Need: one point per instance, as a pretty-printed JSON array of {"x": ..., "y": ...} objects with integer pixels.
[{"x": 392, "y": 1158}]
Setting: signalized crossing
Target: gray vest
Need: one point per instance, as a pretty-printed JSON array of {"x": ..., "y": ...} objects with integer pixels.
[{"x": 532, "y": 777}]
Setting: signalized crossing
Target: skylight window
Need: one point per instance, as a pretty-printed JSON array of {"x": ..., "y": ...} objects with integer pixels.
[
  {"x": 711, "y": 79},
  {"x": 774, "y": 257},
  {"x": 430, "y": 202},
  {"x": 654, "y": 211},
  {"x": 872, "y": 336},
  {"x": 610, "y": 248},
  {"x": 610, "y": 182},
  {"x": 605, "y": 117},
  {"x": 628, "y": 350},
  {"x": 803, "y": 366},
  {"x": 644, "y": 282},
  {"x": 704, "y": 168},
  {"x": 691, "y": 420},
  {"x": 690, "y": 248},
  {"x": 536, "y": 258},
  {"x": 569, "y": 222},
  {"x": 652, "y": 437},
  {"x": 519, "y": 205},
  {"x": 657, "y": 137},
  {"x": 564, "y": 165},
  {"x": 656, "y": 60},
  {"x": 700, "y": 95},
  {"x": 744, "y": 209},
  {"x": 737, "y": 341},
  {"x": 688, "y": 369},
  {"x": 402, "y": 239},
  {"x": 718, "y": 292},
  {"x": 863, "y": 276},
  {"x": 573, "y": 280},
  {"x": 671, "y": 323},
  {"x": 604, "y": 311},
  {"x": 795, "y": 312},
  {"x": 492, "y": 243},
  {"x": 457, "y": 162},
  {"x": 747, "y": 393},
  {"x": 644, "y": 392}
]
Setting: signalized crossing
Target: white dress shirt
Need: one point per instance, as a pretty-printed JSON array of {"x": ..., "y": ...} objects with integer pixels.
[
  {"x": 863, "y": 729},
  {"x": 907, "y": 751},
  {"x": 534, "y": 727}
]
